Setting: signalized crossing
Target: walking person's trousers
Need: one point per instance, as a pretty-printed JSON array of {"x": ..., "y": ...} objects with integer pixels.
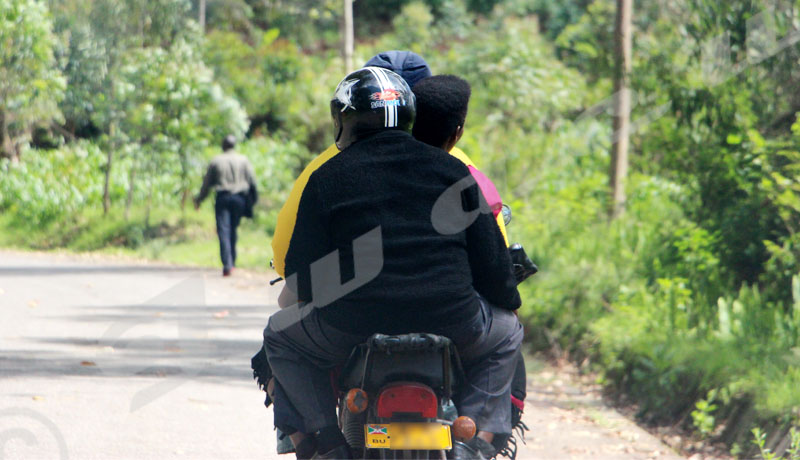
[{"x": 229, "y": 208}]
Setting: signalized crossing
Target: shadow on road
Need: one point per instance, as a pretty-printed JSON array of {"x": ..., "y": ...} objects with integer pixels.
[
  {"x": 208, "y": 316},
  {"x": 188, "y": 341}
]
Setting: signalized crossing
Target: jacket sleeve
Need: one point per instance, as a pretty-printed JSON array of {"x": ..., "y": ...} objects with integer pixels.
[
  {"x": 211, "y": 179},
  {"x": 490, "y": 262},
  {"x": 309, "y": 242},
  {"x": 287, "y": 217}
]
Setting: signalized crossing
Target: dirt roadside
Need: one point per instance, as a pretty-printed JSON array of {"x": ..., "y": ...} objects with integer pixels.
[{"x": 569, "y": 419}]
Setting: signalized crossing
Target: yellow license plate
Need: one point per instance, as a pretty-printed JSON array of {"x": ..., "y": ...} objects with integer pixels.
[{"x": 408, "y": 436}]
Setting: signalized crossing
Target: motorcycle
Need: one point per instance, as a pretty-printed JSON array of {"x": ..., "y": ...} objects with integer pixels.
[
  {"x": 395, "y": 392},
  {"x": 396, "y": 395}
]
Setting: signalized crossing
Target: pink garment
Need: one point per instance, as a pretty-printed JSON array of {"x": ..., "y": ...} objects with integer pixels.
[
  {"x": 489, "y": 190},
  {"x": 518, "y": 402}
]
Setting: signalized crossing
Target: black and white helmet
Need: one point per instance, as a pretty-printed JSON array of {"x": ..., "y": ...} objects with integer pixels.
[{"x": 370, "y": 100}]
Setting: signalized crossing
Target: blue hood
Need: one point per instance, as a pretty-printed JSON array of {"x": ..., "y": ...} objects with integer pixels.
[{"x": 407, "y": 64}]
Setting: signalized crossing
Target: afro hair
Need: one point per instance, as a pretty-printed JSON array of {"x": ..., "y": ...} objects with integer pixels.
[{"x": 442, "y": 102}]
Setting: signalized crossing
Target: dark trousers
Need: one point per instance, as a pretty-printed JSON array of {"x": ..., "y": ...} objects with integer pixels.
[
  {"x": 229, "y": 208},
  {"x": 302, "y": 354}
]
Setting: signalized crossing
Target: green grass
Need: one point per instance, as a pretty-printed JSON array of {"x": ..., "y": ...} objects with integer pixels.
[{"x": 185, "y": 238}]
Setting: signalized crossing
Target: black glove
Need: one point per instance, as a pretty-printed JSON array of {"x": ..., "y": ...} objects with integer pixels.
[{"x": 522, "y": 265}]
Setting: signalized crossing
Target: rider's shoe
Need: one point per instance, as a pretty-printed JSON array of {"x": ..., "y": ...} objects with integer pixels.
[
  {"x": 307, "y": 449},
  {"x": 341, "y": 452},
  {"x": 462, "y": 451},
  {"x": 474, "y": 449}
]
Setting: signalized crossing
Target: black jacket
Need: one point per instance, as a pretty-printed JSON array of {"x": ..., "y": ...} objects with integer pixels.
[
  {"x": 431, "y": 267},
  {"x": 250, "y": 200}
]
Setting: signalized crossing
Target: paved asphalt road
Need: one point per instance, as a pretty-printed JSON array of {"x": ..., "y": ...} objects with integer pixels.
[{"x": 104, "y": 359}]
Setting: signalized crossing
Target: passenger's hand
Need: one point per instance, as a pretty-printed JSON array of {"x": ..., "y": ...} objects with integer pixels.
[{"x": 523, "y": 266}]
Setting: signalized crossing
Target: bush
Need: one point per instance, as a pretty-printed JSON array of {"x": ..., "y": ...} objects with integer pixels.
[{"x": 47, "y": 185}]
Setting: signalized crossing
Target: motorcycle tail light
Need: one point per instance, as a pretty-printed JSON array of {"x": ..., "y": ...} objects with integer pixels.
[{"x": 408, "y": 399}]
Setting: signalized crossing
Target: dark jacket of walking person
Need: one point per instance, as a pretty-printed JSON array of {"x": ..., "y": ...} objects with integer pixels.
[{"x": 231, "y": 176}]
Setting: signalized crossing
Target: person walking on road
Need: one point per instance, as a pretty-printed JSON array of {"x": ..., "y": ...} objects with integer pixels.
[{"x": 231, "y": 175}]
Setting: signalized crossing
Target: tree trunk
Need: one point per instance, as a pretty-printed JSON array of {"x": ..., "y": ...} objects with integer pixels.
[
  {"x": 202, "y": 15},
  {"x": 107, "y": 183},
  {"x": 348, "y": 36},
  {"x": 184, "y": 180},
  {"x": 129, "y": 200},
  {"x": 184, "y": 199},
  {"x": 622, "y": 106},
  {"x": 149, "y": 204},
  {"x": 6, "y": 151},
  {"x": 109, "y": 163}
]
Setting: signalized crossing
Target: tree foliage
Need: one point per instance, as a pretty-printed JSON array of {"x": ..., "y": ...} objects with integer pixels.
[
  {"x": 695, "y": 289},
  {"x": 30, "y": 85},
  {"x": 173, "y": 108}
]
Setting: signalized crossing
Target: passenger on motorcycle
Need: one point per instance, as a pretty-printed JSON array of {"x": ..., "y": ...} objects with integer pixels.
[
  {"x": 436, "y": 271},
  {"x": 442, "y": 103}
]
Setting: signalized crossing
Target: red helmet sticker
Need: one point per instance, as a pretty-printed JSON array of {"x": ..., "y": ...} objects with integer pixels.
[{"x": 385, "y": 95}]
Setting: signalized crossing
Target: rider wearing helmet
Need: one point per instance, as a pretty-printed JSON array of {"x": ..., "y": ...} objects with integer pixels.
[
  {"x": 412, "y": 68},
  {"x": 413, "y": 264}
]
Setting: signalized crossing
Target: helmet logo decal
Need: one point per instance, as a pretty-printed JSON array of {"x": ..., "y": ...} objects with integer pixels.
[
  {"x": 344, "y": 93},
  {"x": 388, "y": 97}
]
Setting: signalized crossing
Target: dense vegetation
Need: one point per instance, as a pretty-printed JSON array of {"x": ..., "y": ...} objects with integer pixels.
[{"x": 688, "y": 303}]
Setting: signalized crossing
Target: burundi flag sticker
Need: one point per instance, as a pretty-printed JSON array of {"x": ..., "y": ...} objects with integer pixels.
[{"x": 377, "y": 429}]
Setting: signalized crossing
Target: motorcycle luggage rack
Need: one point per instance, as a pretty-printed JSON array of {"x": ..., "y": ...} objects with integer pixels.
[{"x": 403, "y": 345}]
